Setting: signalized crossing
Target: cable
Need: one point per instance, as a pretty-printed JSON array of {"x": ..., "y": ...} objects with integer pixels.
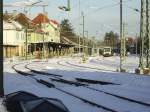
[
  {"x": 101, "y": 8},
  {"x": 134, "y": 9}
]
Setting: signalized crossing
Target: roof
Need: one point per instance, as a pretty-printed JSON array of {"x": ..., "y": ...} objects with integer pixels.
[
  {"x": 7, "y": 16},
  {"x": 40, "y": 18},
  {"x": 8, "y": 25},
  {"x": 22, "y": 19},
  {"x": 67, "y": 41},
  {"x": 11, "y": 25},
  {"x": 54, "y": 22}
]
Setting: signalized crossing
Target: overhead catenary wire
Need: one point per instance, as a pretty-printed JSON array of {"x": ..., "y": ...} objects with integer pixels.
[{"x": 100, "y": 8}]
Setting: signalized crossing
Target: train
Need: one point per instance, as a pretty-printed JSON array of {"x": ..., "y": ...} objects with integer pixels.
[{"x": 107, "y": 51}]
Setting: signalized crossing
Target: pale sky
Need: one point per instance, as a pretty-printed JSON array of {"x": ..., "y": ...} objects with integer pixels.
[{"x": 101, "y": 16}]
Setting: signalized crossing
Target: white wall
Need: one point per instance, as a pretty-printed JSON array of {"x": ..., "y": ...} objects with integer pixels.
[
  {"x": 13, "y": 35},
  {"x": 53, "y": 33}
]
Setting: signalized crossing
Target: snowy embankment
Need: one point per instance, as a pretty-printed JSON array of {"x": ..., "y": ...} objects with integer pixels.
[
  {"x": 109, "y": 63},
  {"x": 130, "y": 63}
]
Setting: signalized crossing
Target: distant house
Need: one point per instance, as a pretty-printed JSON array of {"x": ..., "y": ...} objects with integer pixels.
[
  {"x": 13, "y": 39},
  {"x": 50, "y": 28}
]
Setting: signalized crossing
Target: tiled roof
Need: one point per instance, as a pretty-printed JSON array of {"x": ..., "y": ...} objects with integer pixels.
[
  {"x": 22, "y": 19},
  {"x": 54, "y": 22},
  {"x": 41, "y": 18}
]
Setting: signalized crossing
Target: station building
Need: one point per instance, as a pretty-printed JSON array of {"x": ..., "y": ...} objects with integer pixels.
[{"x": 37, "y": 38}]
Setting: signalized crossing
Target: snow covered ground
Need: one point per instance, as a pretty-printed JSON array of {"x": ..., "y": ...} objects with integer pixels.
[
  {"x": 130, "y": 86},
  {"x": 2, "y": 108}
]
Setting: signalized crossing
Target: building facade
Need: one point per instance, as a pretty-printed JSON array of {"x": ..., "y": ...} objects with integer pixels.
[{"x": 13, "y": 39}]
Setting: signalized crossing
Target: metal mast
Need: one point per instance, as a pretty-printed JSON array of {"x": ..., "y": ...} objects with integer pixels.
[
  {"x": 148, "y": 31},
  {"x": 1, "y": 54},
  {"x": 43, "y": 30},
  {"x": 141, "y": 36},
  {"x": 121, "y": 38},
  {"x": 83, "y": 33},
  {"x": 79, "y": 28}
]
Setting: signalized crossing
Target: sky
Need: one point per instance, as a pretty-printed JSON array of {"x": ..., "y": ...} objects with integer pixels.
[{"x": 100, "y": 16}]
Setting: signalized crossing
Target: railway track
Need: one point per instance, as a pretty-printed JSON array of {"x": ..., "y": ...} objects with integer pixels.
[
  {"x": 90, "y": 82},
  {"x": 114, "y": 64},
  {"x": 59, "y": 79},
  {"x": 93, "y": 68},
  {"x": 50, "y": 85}
]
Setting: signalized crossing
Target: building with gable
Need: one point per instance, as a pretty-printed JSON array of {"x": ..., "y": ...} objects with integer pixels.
[
  {"x": 13, "y": 39},
  {"x": 40, "y": 35}
]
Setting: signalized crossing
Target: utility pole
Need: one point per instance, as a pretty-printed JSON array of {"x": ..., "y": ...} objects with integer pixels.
[
  {"x": 124, "y": 42},
  {"x": 68, "y": 5},
  {"x": 86, "y": 44},
  {"x": 136, "y": 44},
  {"x": 121, "y": 38},
  {"x": 1, "y": 53},
  {"x": 148, "y": 31},
  {"x": 79, "y": 28},
  {"x": 26, "y": 42},
  {"x": 141, "y": 36},
  {"x": 44, "y": 31},
  {"x": 83, "y": 32}
]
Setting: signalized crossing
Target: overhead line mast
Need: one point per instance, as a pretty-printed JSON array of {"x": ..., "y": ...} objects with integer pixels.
[
  {"x": 148, "y": 32},
  {"x": 141, "y": 66}
]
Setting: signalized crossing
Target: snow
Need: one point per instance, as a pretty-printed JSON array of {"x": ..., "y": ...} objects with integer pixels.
[
  {"x": 132, "y": 86},
  {"x": 16, "y": 82},
  {"x": 107, "y": 100},
  {"x": 137, "y": 95},
  {"x": 2, "y": 107}
]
